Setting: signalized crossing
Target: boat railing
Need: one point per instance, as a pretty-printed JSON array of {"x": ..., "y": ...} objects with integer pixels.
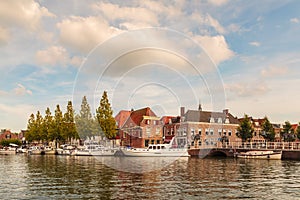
[{"x": 260, "y": 145}]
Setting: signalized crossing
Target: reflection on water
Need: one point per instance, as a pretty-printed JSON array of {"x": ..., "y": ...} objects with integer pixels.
[{"x": 64, "y": 177}]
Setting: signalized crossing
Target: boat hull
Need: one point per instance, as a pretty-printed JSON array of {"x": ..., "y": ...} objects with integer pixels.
[
  {"x": 160, "y": 153},
  {"x": 270, "y": 155}
]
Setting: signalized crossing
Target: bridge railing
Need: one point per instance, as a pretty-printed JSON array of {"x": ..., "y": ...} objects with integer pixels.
[{"x": 260, "y": 145}]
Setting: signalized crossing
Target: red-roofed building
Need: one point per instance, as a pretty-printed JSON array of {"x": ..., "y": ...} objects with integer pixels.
[
  {"x": 7, "y": 134},
  {"x": 141, "y": 128}
]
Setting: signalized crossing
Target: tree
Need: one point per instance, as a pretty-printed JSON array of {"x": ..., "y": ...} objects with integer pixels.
[
  {"x": 298, "y": 131},
  {"x": 30, "y": 134},
  {"x": 69, "y": 128},
  {"x": 288, "y": 133},
  {"x": 105, "y": 117},
  {"x": 268, "y": 130},
  {"x": 245, "y": 129},
  {"x": 57, "y": 126},
  {"x": 87, "y": 126},
  {"x": 48, "y": 125}
]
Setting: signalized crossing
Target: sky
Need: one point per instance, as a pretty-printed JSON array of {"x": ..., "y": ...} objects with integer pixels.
[{"x": 240, "y": 55}]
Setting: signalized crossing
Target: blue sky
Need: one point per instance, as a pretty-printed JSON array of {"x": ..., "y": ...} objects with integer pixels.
[{"x": 241, "y": 55}]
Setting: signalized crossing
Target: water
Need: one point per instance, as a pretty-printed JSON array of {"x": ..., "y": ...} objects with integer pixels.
[{"x": 64, "y": 177}]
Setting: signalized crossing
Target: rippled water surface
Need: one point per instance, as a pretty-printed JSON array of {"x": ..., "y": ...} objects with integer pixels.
[{"x": 64, "y": 177}]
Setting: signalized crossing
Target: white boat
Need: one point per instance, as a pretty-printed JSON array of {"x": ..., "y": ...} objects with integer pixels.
[
  {"x": 272, "y": 155},
  {"x": 156, "y": 150},
  {"x": 8, "y": 151},
  {"x": 65, "y": 150},
  {"x": 34, "y": 150},
  {"x": 94, "y": 150},
  {"x": 48, "y": 150}
]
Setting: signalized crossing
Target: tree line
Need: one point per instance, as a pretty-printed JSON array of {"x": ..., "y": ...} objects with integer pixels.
[
  {"x": 63, "y": 127},
  {"x": 245, "y": 130}
]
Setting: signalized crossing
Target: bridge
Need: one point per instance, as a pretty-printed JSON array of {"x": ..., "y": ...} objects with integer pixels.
[{"x": 290, "y": 150}]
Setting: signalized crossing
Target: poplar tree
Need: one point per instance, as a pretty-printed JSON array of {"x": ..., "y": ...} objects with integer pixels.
[
  {"x": 48, "y": 125},
  {"x": 268, "y": 130},
  {"x": 245, "y": 129},
  {"x": 87, "y": 125},
  {"x": 57, "y": 126},
  {"x": 105, "y": 117},
  {"x": 31, "y": 129},
  {"x": 69, "y": 128}
]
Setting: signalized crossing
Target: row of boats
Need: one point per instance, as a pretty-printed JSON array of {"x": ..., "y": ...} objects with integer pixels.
[{"x": 153, "y": 150}]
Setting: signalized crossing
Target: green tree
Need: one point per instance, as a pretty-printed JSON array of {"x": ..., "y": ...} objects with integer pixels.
[
  {"x": 69, "y": 128},
  {"x": 87, "y": 125},
  {"x": 30, "y": 134},
  {"x": 268, "y": 132},
  {"x": 57, "y": 126},
  {"x": 245, "y": 129},
  {"x": 39, "y": 121},
  {"x": 288, "y": 133},
  {"x": 48, "y": 125},
  {"x": 105, "y": 117}
]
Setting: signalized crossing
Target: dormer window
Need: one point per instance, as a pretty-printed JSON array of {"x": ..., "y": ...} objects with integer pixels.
[
  {"x": 212, "y": 120},
  {"x": 220, "y": 120}
]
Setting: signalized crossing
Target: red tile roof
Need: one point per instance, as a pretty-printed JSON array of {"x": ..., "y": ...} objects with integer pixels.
[
  {"x": 121, "y": 117},
  {"x": 136, "y": 116}
]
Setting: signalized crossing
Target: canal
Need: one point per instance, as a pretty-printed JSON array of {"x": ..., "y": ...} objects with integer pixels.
[{"x": 65, "y": 177}]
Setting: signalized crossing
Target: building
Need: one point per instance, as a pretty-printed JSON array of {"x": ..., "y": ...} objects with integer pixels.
[
  {"x": 206, "y": 128},
  {"x": 7, "y": 134},
  {"x": 141, "y": 128},
  {"x": 170, "y": 125}
]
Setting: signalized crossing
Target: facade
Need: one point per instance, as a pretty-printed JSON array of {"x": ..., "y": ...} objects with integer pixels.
[
  {"x": 199, "y": 128},
  {"x": 141, "y": 128},
  {"x": 170, "y": 125},
  {"x": 7, "y": 134}
]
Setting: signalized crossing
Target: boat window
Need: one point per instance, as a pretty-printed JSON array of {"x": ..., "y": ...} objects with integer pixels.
[
  {"x": 158, "y": 147},
  {"x": 154, "y": 147},
  {"x": 163, "y": 147},
  {"x": 150, "y": 147}
]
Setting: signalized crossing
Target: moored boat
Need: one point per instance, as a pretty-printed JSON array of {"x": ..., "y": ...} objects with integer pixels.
[{"x": 272, "y": 155}]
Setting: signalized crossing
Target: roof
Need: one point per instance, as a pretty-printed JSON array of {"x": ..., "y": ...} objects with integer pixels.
[
  {"x": 137, "y": 116},
  {"x": 205, "y": 116},
  {"x": 121, "y": 117}
]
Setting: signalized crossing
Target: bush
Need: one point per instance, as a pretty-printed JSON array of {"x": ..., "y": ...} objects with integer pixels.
[{"x": 6, "y": 143}]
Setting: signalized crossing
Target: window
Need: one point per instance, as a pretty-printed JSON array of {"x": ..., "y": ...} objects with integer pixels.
[
  {"x": 206, "y": 131},
  {"x": 220, "y": 120},
  {"x": 8, "y": 136},
  {"x": 212, "y": 120},
  {"x": 192, "y": 131},
  {"x": 184, "y": 131},
  {"x": 146, "y": 143},
  {"x": 152, "y": 141},
  {"x": 229, "y": 132},
  {"x": 148, "y": 132},
  {"x": 220, "y": 132},
  {"x": 157, "y": 141},
  {"x": 157, "y": 131},
  {"x": 211, "y": 131},
  {"x": 199, "y": 131}
]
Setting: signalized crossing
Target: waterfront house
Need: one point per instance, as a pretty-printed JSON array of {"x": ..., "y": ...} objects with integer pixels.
[
  {"x": 170, "y": 125},
  {"x": 141, "y": 128},
  {"x": 206, "y": 128},
  {"x": 7, "y": 134}
]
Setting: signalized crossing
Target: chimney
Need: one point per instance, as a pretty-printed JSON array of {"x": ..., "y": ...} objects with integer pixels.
[
  {"x": 226, "y": 111},
  {"x": 182, "y": 111},
  {"x": 200, "y": 107}
]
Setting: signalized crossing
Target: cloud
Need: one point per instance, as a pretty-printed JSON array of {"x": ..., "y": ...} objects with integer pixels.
[
  {"x": 54, "y": 55},
  {"x": 114, "y": 12},
  {"x": 294, "y": 20},
  {"x": 83, "y": 34},
  {"x": 272, "y": 71},
  {"x": 20, "y": 90},
  {"x": 217, "y": 2},
  {"x": 4, "y": 36},
  {"x": 26, "y": 14},
  {"x": 249, "y": 89},
  {"x": 216, "y": 47},
  {"x": 256, "y": 44}
]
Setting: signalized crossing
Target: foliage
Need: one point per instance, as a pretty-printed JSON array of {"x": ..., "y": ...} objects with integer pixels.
[
  {"x": 6, "y": 142},
  {"x": 69, "y": 128},
  {"x": 287, "y": 133},
  {"x": 268, "y": 130},
  {"x": 87, "y": 126},
  {"x": 105, "y": 117},
  {"x": 298, "y": 131},
  {"x": 245, "y": 129},
  {"x": 48, "y": 127}
]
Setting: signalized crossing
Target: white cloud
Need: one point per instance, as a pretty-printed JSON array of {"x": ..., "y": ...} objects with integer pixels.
[
  {"x": 256, "y": 44},
  {"x": 249, "y": 89},
  {"x": 216, "y": 47},
  {"x": 54, "y": 55},
  {"x": 83, "y": 34},
  {"x": 25, "y": 13},
  {"x": 114, "y": 12},
  {"x": 294, "y": 20},
  {"x": 272, "y": 71},
  {"x": 4, "y": 36},
  {"x": 217, "y": 2},
  {"x": 20, "y": 90}
]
